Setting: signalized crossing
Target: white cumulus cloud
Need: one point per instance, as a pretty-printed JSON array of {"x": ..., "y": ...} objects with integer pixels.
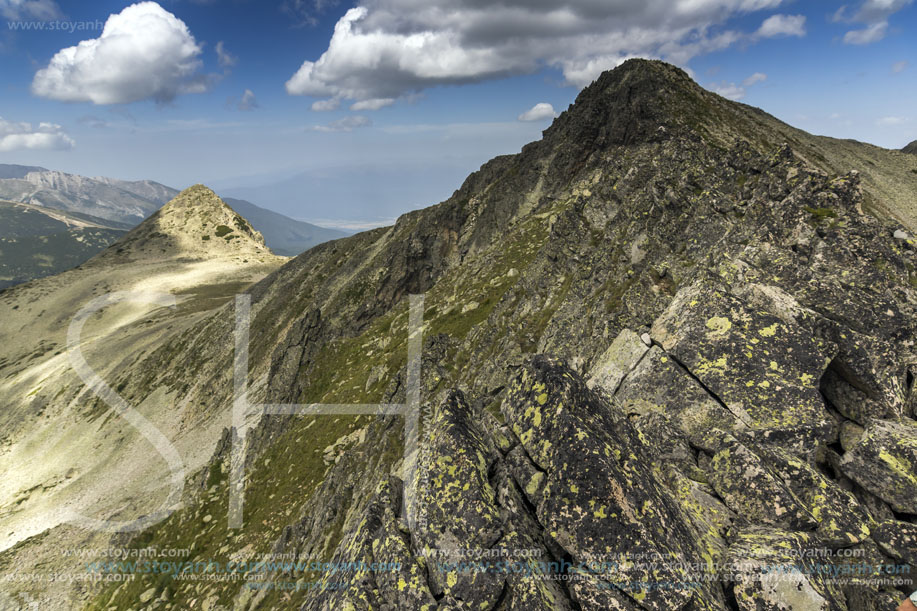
[
  {"x": 782, "y": 25},
  {"x": 873, "y": 13},
  {"x": 144, "y": 52},
  {"x": 879, "y": 10},
  {"x": 389, "y": 49},
  {"x": 729, "y": 90},
  {"x": 48, "y": 136},
  {"x": 539, "y": 112}
]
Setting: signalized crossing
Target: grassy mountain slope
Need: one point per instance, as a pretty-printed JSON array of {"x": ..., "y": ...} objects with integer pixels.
[{"x": 60, "y": 447}]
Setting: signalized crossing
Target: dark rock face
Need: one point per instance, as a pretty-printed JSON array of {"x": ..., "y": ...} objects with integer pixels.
[
  {"x": 593, "y": 488},
  {"x": 456, "y": 506},
  {"x": 911, "y": 148}
]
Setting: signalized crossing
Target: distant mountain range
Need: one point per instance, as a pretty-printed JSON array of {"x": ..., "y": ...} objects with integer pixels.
[
  {"x": 284, "y": 236},
  {"x": 18, "y": 171},
  {"x": 52, "y": 221},
  {"x": 104, "y": 198}
]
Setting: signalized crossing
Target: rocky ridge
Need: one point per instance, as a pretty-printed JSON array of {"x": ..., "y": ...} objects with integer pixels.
[{"x": 666, "y": 357}]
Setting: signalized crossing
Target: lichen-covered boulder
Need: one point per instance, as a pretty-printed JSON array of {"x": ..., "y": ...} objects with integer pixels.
[
  {"x": 711, "y": 519},
  {"x": 849, "y": 401},
  {"x": 659, "y": 384},
  {"x": 762, "y": 367},
  {"x": 386, "y": 572},
  {"x": 898, "y": 540},
  {"x": 841, "y": 519},
  {"x": 884, "y": 462},
  {"x": 772, "y": 570},
  {"x": 527, "y": 562},
  {"x": 749, "y": 487},
  {"x": 621, "y": 357},
  {"x": 595, "y": 594},
  {"x": 857, "y": 281},
  {"x": 601, "y": 501},
  {"x": 666, "y": 444},
  {"x": 455, "y": 505},
  {"x": 849, "y": 435}
]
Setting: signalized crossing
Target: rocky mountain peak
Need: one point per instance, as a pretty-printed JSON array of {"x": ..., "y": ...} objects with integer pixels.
[
  {"x": 196, "y": 201},
  {"x": 639, "y": 101},
  {"x": 911, "y": 148},
  {"x": 195, "y": 224}
]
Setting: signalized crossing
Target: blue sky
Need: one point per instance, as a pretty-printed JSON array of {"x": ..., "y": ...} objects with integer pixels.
[{"x": 218, "y": 92}]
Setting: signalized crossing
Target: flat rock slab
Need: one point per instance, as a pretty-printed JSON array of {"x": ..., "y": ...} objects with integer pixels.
[
  {"x": 621, "y": 357},
  {"x": 841, "y": 519},
  {"x": 749, "y": 487},
  {"x": 659, "y": 384}
]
